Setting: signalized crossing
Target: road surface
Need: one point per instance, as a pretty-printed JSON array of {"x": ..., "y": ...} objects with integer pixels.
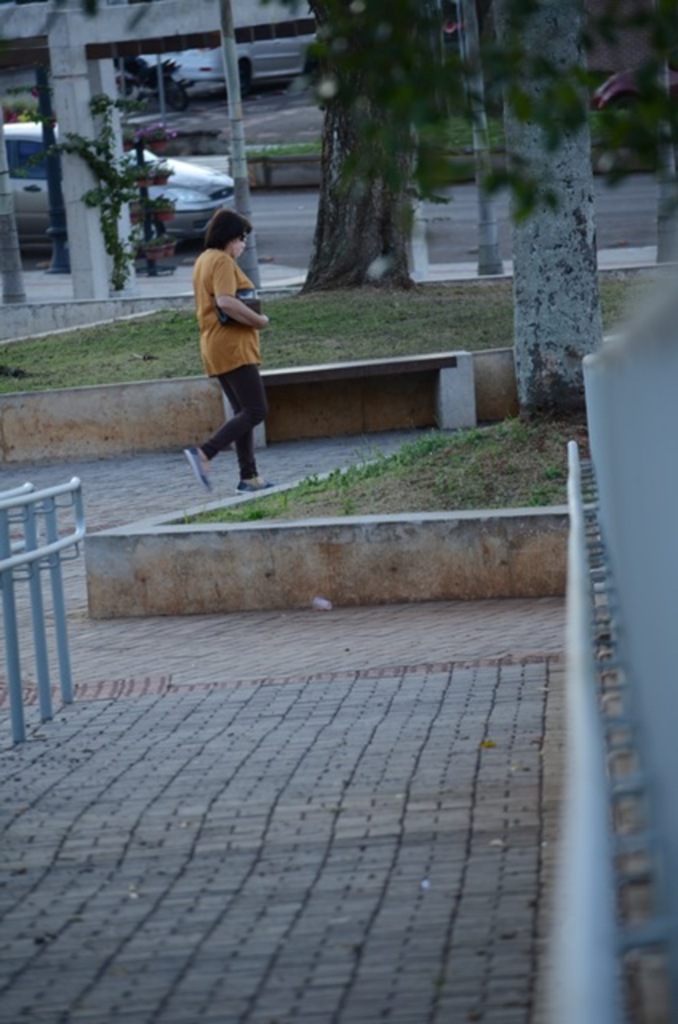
[{"x": 285, "y": 221}]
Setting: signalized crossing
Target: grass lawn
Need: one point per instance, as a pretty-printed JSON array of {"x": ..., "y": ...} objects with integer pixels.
[
  {"x": 506, "y": 465},
  {"x": 509, "y": 464},
  {"x": 319, "y": 328}
]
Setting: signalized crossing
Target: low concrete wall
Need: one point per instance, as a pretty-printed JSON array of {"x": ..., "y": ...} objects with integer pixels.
[
  {"x": 117, "y": 419},
  {"x": 495, "y": 385},
  {"x": 285, "y": 172},
  {"x": 32, "y": 319},
  {"x": 159, "y": 569},
  {"x": 113, "y": 419}
]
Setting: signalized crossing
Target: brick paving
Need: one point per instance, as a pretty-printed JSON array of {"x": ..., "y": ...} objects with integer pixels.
[{"x": 279, "y": 817}]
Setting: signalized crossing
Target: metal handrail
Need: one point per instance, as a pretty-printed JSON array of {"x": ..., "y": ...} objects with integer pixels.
[
  {"x": 585, "y": 982},
  {"x": 24, "y": 505},
  {"x": 20, "y": 498}
]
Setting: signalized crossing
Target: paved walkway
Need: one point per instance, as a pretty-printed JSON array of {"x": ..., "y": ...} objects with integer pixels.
[
  {"x": 41, "y": 286},
  {"x": 283, "y": 816}
]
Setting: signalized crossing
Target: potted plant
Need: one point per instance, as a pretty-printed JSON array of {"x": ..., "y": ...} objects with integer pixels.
[
  {"x": 150, "y": 173},
  {"x": 116, "y": 184},
  {"x": 154, "y": 136},
  {"x": 160, "y": 172},
  {"x": 142, "y": 175},
  {"x": 158, "y": 247},
  {"x": 136, "y": 211},
  {"x": 162, "y": 208}
]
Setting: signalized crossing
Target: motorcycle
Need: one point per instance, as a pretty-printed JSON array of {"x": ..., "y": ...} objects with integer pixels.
[{"x": 138, "y": 80}]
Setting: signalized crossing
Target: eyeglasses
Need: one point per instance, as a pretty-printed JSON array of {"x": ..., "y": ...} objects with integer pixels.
[{"x": 242, "y": 238}]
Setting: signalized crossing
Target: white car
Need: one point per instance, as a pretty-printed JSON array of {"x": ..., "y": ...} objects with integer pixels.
[
  {"x": 196, "y": 191},
  {"x": 269, "y": 53}
]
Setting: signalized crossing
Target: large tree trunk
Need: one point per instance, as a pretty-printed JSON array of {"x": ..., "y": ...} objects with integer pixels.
[
  {"x": 557, "y": 317},
  {"x": 364, "y": 222},
  {"x": 363, "y": 227}
]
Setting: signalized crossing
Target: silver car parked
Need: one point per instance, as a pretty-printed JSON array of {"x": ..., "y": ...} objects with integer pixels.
[{"x": 196, "y": 191}]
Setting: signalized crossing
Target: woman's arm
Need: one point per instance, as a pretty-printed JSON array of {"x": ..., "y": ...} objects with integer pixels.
[{"x": 241, "y": 312}]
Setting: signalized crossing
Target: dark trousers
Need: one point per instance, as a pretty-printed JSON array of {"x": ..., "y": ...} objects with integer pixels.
[{"x": 244, "y": 389}]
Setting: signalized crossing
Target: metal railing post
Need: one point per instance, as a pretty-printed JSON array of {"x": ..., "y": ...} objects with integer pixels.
[
  {"x": 65, "y": 678},
  {"x": 24, "y": 505},
  {"x": 16, "y": 708},
  {"x": 38, "y": 618}
]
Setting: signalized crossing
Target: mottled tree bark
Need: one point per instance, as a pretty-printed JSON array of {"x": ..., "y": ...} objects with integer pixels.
[
  {"x": 363, "y": 227},
  {"x": 557, "y": 317}
]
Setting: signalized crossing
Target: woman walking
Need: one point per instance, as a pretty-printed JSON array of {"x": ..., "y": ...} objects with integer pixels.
[{"x": 230, "y": 353}]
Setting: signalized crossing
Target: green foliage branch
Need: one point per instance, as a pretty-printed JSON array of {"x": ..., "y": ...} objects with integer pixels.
[
  {"x": 116, "y": 184},
  {"x": 394, "y": 55}
]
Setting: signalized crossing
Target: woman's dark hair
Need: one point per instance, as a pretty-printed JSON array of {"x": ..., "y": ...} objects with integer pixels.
[{"x": 224, "y": 226}]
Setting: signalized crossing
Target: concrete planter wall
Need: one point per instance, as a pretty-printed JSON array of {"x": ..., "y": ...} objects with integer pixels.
[
  {"x": 285, "y": 172},
  {"x": 112, "y": 419},
  {"x": 160, "y": 569},
  {"x": 33, "y": 319},
  {"x": 146, "y": 416}
]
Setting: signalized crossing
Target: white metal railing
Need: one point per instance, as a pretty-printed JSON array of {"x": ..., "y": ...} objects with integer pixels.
[
  {"x": 33, "y": 540},
  {"x": 585, "y": 976},
  {"x": 631, "y": 388},
  {"x": 622, "y": 684}
]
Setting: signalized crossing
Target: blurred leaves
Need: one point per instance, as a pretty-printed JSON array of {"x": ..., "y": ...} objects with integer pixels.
[{"x": 397, "y": 57}]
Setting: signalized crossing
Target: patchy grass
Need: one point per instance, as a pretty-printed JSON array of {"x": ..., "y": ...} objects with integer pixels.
[
  {"x": 306, "y": 329},
  {"x": 507, "y": 465}
]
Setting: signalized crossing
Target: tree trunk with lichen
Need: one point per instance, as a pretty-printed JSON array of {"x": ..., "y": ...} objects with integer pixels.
[
  {"x": 557, "y": 318},
  {"x": 364, "y": 225}
]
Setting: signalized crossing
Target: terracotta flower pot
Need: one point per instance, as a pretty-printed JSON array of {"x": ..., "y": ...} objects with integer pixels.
[{"x": 159, "y": 252}]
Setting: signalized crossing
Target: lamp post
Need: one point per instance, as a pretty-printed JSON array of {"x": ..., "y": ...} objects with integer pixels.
[
  {"x": 249, "y": 260},
  {"x": 489, "y": 260},
  {"x": 57, "y": 214},
  {"x": 10, "y": 255}
]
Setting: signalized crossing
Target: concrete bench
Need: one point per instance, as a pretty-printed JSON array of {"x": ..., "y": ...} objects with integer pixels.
[
  {"x": 368, "y": 396},
  {"x": 447, "y": 390}
]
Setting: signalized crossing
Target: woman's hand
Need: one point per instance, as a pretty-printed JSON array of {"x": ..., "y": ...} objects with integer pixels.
[{"x": 241, "y": 312}]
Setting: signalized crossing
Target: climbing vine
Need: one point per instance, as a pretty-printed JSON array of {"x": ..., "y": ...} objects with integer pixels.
[{"x": 117, "y": 184}]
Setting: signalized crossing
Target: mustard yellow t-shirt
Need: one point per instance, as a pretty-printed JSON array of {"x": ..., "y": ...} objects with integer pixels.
[{"x": 222, "y": 348}]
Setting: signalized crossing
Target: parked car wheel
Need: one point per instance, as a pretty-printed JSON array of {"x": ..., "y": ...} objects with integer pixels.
[{"x": 176, "y": 94}]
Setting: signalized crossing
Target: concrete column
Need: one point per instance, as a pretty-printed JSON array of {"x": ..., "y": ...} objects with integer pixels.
[
  {"x": 455, "y": 394},
  {"x": 418, "y": 246},
  {"x": 71, "y": 97},
  {"x": 102, "y": 80}
]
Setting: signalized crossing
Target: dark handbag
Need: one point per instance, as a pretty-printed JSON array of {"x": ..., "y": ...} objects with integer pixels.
[{"x": 248, "y": 297}]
